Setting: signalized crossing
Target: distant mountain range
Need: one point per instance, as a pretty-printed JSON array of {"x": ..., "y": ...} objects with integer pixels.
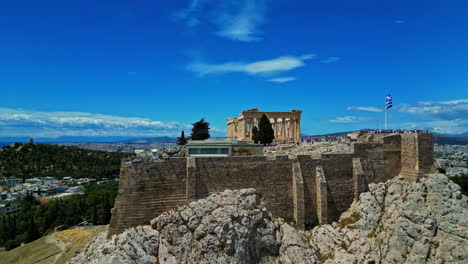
[
  {"x": 149, "y": 140},
  {"x": 112, "y": 140},
  {"x": 438, "y": 138}
]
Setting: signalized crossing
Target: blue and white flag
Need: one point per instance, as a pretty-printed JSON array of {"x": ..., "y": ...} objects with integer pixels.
[{"x": 388, "y": 101}]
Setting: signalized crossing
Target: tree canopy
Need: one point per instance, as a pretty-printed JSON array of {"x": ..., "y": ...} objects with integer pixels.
[
  {"x": 34, "y": 219},
  {"x": 265, "y": 131},
  {"x": 32, "y": 160},
  {"x": 200, "y": 130}
]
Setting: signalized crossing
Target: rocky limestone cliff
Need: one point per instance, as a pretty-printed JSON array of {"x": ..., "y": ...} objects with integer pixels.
[{"x": 395, "y": 222}]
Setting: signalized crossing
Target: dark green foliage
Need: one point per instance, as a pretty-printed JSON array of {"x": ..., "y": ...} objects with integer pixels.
[
  {"x": 200, "y": 130},
  {"x": 441, "y": 170},
  {"x": 462, "y": 181},
  {"x": 32, "y": 160},
  {"x": 181, "y": 140},
  {"x": 35, "y": 220},
  {"x": 265, "y": 131},
  {"x": 95, "y": 216},
  {"x": 255, "y": 135},
  {"x": 106, "y": 209},
  {"x": 32, "y": 233}
]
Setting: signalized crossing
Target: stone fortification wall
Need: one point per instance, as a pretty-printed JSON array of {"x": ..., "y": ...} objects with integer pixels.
[
  {"x": 271, "y": 178},
  {"x": 417, "y": 155},
  {"x": 299, "y": 188},
  {"x": 147, "y": 189}
]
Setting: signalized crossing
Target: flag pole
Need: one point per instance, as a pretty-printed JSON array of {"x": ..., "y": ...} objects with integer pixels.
[{"x": 386, "y": 118}]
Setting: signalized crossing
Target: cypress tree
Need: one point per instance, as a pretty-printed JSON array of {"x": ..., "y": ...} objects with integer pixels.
[
  {"x": 200, "y": 130},
  {"x": 95, "y": 216},
  {"x": 13, "y": 228},
  {"x": 181, "y": 140},
  {"x": 265, "y": 131},
  {"x": 255, "y": 134},
  {"x": 106, "y": 214},
  {"x": 32, "y": 233}
]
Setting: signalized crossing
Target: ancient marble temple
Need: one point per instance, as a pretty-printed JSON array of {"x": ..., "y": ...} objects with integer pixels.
[{"x": 287, "y": 125}]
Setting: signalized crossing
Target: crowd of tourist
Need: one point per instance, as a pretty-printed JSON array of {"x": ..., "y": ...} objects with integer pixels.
[{"x": 397, "y": 131}]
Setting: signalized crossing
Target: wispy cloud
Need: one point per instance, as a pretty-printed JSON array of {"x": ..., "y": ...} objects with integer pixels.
[
  {"x": 446, "y": 117},
  {"x": 282, "y": 79},
  {"x": 445, "y": 110},
  {"x": 399, "y": 21},
  {"x": 277, "y": 65},
  {"x": 348, "y": 119},
  {"x": 365, "y": 108},
  {"x": 450, "y": 127},
  {"x": 15, "y": 122},
  {"x": 330, "y": 60},
  {"x": 238, "y": 20}
]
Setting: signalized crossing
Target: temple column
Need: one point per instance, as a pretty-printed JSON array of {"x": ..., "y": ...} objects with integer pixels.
[
  {"x": 293, "y": 125},
  {"x": 276, "y": 128},
  {"x": 286, "y": 129},
  {"x": 280, "y": 127},
  {"x": 244, "y": 132},
  {"x": 298, "y": 129},
  {"x": 295, "y": 129}
]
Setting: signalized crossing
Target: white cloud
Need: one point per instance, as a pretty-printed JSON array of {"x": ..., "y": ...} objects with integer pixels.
[
  {"x": 445, "y": 117},
  {"x": 15, "y": 122},
  {"x": 282, "y": 79},
  {"x": 280, "y": 64},
  {"x": 453, "y": 127},
  {"x": 330, "y": 60},
  {"x": 237, "y": 20},
  {"x": 348, "y": 119},
  {"x": 445, "y": 110},
  {"x": 450, "y": 127},
  {"x": 365, "y": 108}
]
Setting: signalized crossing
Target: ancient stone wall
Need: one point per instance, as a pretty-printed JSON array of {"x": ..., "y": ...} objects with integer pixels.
[
  {"x": 300, "y": 188},
  {"x": 146, "y": 190},
  {"x": 417, "y": 155},
  {"x": 271, "y": 178}
]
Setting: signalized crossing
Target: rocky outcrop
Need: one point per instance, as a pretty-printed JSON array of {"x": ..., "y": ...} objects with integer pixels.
[
  {"x": 399, "y": 222},
  {"x": 395, "y": 222}
]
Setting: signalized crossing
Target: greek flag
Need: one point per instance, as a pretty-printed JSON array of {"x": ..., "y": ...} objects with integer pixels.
[{"x": 388, "y": 101}]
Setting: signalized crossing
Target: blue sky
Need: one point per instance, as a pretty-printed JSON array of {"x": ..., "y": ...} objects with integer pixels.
[{"x": 151, "y": 68}]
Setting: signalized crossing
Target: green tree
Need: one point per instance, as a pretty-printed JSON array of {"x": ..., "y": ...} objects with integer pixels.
[
  {"x": 106, "y": 207},
  {"x": 462, "y": 181},
  {"x": 265, "y": 131},
  {"x": 32, "y": 233},
  {"x": 95, "y": 215},
  {"x": 181, "y": 140},
  {"x": 255, "y": 134},
  {"x": 200, "y": 130}
]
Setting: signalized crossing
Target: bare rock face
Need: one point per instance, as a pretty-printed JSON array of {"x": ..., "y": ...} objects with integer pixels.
[
  {"x": 229, "y": 227},
  {"x": 399, "y": 222},
  {"x": 395, "y": 222}
]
